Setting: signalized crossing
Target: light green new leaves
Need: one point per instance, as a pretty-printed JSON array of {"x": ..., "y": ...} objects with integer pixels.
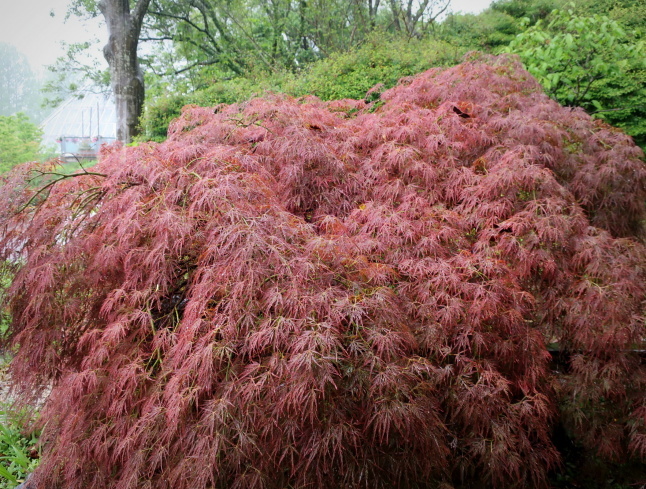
[
  {"x": 16, "y": 451},
  {"x": 570, "y": 53},
  {"x": 588, "y": 61},
  {"x": 19, "y": 141}
]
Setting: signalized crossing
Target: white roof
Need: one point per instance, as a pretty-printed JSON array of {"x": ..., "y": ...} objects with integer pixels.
[{"x": 92, "y": 116}]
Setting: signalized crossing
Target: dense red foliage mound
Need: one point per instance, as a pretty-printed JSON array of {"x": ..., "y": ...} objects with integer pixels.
[{"x": 304, "y": 294}]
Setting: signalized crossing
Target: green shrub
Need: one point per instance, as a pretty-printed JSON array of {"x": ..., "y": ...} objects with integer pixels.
[
  {"x": 19, "y": 141},
  {"x": 159, "y": 113},
  {"x": 496, "y": 26},
  {"x": 591, "y": 62},
  {"x": 18, "y": 452},
  {"x": 6, "y": 277},
  {"x": 485, "y": 31},
  {"x": 382, "y": 59}
]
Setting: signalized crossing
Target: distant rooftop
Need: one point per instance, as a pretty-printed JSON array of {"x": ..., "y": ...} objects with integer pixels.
[{"x": 93, "y": 117}]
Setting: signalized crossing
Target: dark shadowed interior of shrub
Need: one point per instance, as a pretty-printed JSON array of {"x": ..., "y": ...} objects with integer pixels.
[{"x": 292, "y": 293}]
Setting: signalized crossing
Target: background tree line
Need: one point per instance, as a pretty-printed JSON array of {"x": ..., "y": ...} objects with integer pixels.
[
  {"x": 199, "y": 40},
  {"x": 165, "y": 54},
  {"x": 20, "y": 109},
  {"x": 588, "y": 54}
]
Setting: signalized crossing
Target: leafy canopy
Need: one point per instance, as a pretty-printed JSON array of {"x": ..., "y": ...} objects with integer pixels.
[
  {"x": 297, "y": 293},
  {"x": 19, "y": 141},
  {"x": 19, "y": 454},
  {"x": 382, "y": 60},
  {"x": 18, "y": 85},
  {"x": 589, "y": 61}
]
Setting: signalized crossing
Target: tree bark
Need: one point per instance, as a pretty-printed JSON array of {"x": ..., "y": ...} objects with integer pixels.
[
  {"x": 414, "y": 11},
  {"x": 120, "y": 52}
]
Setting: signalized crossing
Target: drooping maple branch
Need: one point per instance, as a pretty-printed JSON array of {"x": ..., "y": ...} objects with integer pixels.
[{"x": 59, "y": 178}]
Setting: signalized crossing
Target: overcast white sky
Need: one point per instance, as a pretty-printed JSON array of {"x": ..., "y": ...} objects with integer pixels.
[
  {"x": 28, "y": 25},
  {"x": 469, "y": 6}
]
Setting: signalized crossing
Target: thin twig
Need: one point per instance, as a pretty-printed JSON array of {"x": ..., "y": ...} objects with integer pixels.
[{"x": 61, "y": 176}]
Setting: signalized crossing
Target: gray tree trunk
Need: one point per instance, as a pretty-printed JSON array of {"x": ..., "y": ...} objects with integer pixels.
[{"x": 124, "y": 26}]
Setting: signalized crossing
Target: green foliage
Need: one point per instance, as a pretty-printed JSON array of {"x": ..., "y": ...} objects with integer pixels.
[
  {"x": 19, "y": 141},
  {"x": 630, "y": 13},
  {"x": 496, "y": 26},
  {"x": 18, "y": 453},
  {"x": 621, "y": 101},
  {"x": 383, "y": 59},
  {"x": 72, "y": 72},
  {"x": 347, "y": 74},
  {"x": 484, "y": 31},
  {"x": 159, "y": 112},
  {"x": 6, "y": 276},
  {"x": 83, "y": 8},
  {"x": 589, "y": 61},
  {"x": 18, "y": 85},
  {"x": 238, "y": 37},
  {"x": 532, "y": 10}
]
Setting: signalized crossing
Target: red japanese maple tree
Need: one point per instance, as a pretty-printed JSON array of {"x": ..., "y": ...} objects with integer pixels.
[{"x": 292, "y": 293}]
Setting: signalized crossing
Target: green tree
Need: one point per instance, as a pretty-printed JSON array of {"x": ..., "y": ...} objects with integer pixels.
[
  {"x": 484, "y": 31},
  {"x": 18, "y": 85},
  {"x": 220, "y": 39},
  {"x": 199, "y": 42},
  {"x": 124, "y": 21},
  {"x": 496, "y": 26},
  {"x": 533, "y": 10},
  {"x": 381, "y": 60},
  {"x": 630, "y": 13},
  {"x": 238, "y": 37},
  {"x": 589, "y": 61},
  {"x": 19, "y": 141},
  {"x": 414, "y": 17}
]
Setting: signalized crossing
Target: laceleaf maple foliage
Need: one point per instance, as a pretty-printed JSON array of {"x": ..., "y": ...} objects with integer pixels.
[{"x": 291, "y": 293}]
